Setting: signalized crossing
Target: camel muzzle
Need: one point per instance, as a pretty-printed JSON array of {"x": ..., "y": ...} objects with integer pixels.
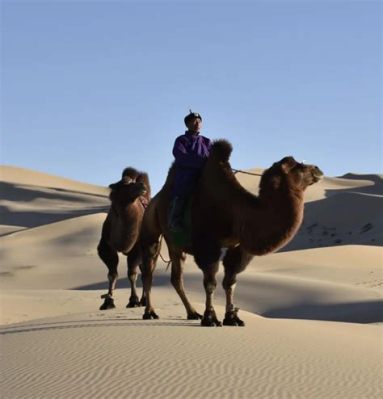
[{"x": 317, "y": 174}]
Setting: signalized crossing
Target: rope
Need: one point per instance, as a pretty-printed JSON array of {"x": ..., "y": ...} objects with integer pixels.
[
  {"x": 168, "y": 262},
  {"x": 246, "y": 173}
]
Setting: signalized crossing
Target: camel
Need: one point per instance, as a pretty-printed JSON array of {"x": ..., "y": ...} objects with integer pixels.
[
  {"x": 226, "y": 215},
  {"x": 120, "y": 231}
]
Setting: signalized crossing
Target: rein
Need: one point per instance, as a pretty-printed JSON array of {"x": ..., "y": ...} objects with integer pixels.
[{"x": 246, "y": 173}]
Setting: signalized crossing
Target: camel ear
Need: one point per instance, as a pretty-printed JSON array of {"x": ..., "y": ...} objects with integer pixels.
[
  {"x": 287, "y": 163},
  {"x": 143, "y": 178},
  {"x": 113, "y": 186},
  {"x": 123, "y": 182}
]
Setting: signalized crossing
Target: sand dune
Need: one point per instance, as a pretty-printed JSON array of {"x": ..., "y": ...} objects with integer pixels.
[
  {"x": 313, "y": 311},
  {"x": 117, "y": 354},
  {"x": 21, "y": 176},
  {"x": 30, "y": 199},
  {"x": 358, "y": 219}
]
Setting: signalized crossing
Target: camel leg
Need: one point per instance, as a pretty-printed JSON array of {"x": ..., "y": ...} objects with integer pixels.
[
  {"x": 133, "y": 260},
  {"x": 234, "y": 262},
  {"x": 207, "y": 254},
  {"x": 149, "y": 261},
  {"x": 110, "y": 258},
  {"x": 210, "y": 283},
  {"x": 143, "y": 296},
  {"x": 178, "y": 259}
]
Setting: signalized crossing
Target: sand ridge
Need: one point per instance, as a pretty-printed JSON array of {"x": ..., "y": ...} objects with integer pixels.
[{"x": 124, "y": 356}]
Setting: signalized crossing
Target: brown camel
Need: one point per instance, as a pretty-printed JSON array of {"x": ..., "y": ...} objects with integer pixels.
[
  {"x": 120, "y": 231},
  {"x": 225, "y": 215}
]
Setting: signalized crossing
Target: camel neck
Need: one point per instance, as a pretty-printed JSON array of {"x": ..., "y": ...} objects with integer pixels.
[{"x": 271, "y": 225}]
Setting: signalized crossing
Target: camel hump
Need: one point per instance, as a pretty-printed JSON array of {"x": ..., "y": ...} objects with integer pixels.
[{"x": 221, "y": 150}]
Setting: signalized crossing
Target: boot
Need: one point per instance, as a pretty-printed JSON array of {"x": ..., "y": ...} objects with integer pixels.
[{"x": 176, "y": 214}]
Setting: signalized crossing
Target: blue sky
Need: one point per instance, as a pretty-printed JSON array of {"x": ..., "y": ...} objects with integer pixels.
[{"x": 90, "y": 87}]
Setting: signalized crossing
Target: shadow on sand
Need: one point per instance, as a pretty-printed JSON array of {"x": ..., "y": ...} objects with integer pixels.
[
  {"x": 338, "y": 207},
  {"x": 81, "y": 324},
  {"x": 352, "y": 312},
  {"x": 363, "y": 312},
  {"x": 86, "y": 204}
]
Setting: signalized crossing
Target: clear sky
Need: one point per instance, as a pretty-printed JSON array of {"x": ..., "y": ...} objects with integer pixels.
[{"x": 90, "y": 87}]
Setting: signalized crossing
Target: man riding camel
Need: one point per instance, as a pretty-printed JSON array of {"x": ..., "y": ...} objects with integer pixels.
[{"x": 190, "y": 151}]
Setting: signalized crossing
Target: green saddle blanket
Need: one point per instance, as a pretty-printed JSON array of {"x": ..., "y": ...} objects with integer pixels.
[{"x": 182, "y": 237}]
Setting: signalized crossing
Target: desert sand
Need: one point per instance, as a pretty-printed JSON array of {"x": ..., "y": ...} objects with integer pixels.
[{"x": 313, "y": 311}]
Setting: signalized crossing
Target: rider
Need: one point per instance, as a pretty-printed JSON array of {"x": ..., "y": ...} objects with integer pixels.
[{"x": 190, "y": 151}]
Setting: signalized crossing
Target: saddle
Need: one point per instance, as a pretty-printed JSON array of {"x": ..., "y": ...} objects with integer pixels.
[{"x": 182, "y": 237}]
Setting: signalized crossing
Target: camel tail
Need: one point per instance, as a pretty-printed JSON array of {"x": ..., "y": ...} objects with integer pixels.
[{"x": 221, "y": 150}]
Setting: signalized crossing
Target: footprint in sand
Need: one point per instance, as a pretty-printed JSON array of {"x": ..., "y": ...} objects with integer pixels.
[{"x": 366, "y": 228}]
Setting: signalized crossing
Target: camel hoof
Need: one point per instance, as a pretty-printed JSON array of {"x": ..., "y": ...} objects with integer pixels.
[
  {"x": 108, "y": 304},
  {"x": 133, "y": 303},
  {"x": 210, "y": 320},
  {"x": 233, "y": 322},
  {"x": 150, "y": 315},
  {"x": 210, "y": 323},
  {"x": 194, "y": 316},
  {"x": 232, "y": 319}
]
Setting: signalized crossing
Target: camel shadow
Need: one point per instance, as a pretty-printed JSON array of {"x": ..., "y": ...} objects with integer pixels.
[
  {"x": 352, "y": 312},
  {"x": 159, "y": 280},
  {"x": 361, "y": 312}
]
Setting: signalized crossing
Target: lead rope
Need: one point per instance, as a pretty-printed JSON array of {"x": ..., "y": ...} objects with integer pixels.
[{"x": 246, "y": 173}]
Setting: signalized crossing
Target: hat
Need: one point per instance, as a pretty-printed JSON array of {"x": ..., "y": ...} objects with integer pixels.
[{"x": 191, "y": 116}]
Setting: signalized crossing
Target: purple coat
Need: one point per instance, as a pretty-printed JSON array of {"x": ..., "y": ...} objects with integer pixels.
[{"x": 190, "y": 152}]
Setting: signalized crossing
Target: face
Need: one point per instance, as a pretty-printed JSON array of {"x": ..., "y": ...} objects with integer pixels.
[
  {"x": 127, "y": 191},
  {"x": 306, "y": 175},
  {"x": 291, "y": 172},
  {"x": 194, "y": 125}
]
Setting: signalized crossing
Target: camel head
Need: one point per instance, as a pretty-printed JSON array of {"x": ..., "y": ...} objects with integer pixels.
[
  {"x": 133, "y": 184},
  {"x": 126, "y": 191},
  {"x": 288, "y": 172}
]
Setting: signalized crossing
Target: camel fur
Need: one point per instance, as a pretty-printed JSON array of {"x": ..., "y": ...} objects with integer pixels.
[
  {"x": 120, "y": 231},
  {"x": 226, "y": 215}
]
